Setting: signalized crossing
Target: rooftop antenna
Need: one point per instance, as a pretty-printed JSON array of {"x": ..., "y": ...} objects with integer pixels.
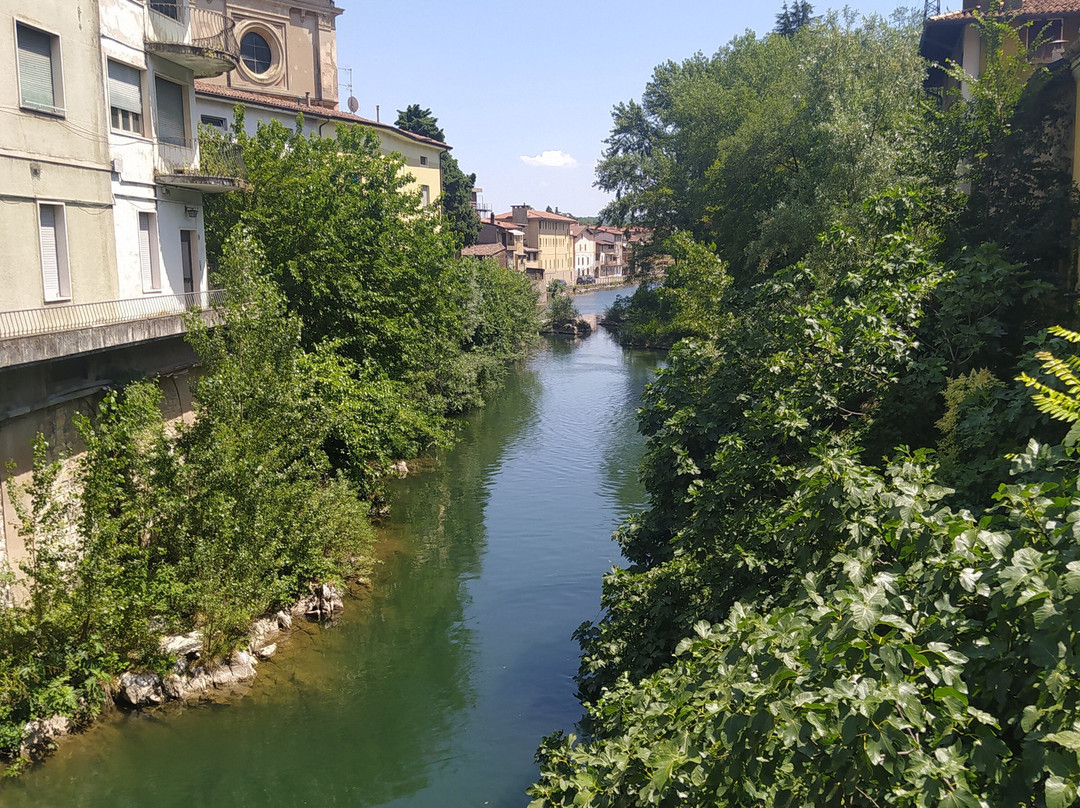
[
  {"x": 931, "y": 8},
  {"x": 351, "y": 103}
]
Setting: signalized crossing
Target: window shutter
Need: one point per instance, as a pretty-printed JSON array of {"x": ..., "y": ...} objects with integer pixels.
[
  {"x": 35, "y": 69},
  {"x": 170, "y": 109},
  {"x": 125, "y": 87},
  {"x": 145, "y": 259},
  {"x": 50, "y": 255}
]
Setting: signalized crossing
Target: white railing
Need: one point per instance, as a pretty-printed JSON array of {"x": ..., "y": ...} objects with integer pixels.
[{"x": 54, "y": 319}]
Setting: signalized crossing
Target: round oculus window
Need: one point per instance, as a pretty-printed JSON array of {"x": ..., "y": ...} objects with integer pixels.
[{"x": 256, "y": 53}]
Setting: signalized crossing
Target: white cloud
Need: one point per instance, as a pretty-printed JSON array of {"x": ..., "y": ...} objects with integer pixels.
[{"x": 550, "y": 159}]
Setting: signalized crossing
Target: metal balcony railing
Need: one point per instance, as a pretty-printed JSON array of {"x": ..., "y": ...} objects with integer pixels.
[
  {"x": 55, "y": 319},
  {"x": 210, "y": 156},
  {"x": 176, "y": 24}
]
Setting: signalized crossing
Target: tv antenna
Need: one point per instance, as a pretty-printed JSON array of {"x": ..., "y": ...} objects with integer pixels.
[{"x": 351, "y": 103}]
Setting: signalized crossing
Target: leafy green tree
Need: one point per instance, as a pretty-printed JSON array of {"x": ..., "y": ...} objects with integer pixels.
[
  {"x": 758, "y": 148},
  {"x": 684, "y": 305},
  {"x": 561, "y": 312},
  {"x": 461, "y": 218},
  {"x": 801, "y": 622},
  {"x": 419, "y": 122}
]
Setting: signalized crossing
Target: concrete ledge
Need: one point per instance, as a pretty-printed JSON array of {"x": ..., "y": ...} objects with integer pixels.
[{"x": 16, "y": 351}]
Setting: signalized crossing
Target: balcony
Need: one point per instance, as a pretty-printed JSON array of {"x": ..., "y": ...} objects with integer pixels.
[
  {"x": 209, "y": 165},
  {"x": 201, "y": 40},
  {"x": 51, "y": 332}
]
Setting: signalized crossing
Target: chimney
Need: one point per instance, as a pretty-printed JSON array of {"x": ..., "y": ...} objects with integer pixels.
[{"x": 492, "y": 218}]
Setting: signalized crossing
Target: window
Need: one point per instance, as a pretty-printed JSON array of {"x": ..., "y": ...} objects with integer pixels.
[
  {"x": 170, "y": 8},
  {"x": 425, "y": 195},
  {"x": 52, "y": 235},
  {"x": 188, "y": 260},
  {"x": 211, "y": 120},
  {"x": 1044, "y": 38},
  {"x": 39, "y": 70},
  {"x": 148, "y": 265},
  {"x": 256, "y": 53},
  {"x": 171, "y": 122},
  {"x": 423, "y": 160},
  {"x": 125, "y": 97}
]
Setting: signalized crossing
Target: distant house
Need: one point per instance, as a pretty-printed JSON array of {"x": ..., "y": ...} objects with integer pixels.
[
  {"x": 288, "y": 66},
  {"x": 509, "y": 236},
  {"x": 599, "y": 252},
  {"x": 548, "y": 234},
  {"x": 496, "y": 251},
  {"x": 584, "y": 250}
]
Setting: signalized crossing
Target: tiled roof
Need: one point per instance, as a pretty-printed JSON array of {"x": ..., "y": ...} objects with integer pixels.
[
  {"x": 1026, "y": 8},
  {"x": 293, "y": 106},
  {"x": 537, "y": 214},
  {"x": 483, "y": 249}
]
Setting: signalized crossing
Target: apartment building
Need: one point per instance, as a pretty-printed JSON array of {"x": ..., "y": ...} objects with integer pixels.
[
  {"x": 549, "y": 235},
  {"x": 102, "y": 207},
  {"x": 599, "y": 252}
]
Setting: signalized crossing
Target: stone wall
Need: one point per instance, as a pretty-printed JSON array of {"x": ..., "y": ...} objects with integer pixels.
[{"x": 45, "y": 397}]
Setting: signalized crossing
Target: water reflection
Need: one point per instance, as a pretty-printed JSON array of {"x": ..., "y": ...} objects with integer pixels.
[{"x": 436, "y": 689}]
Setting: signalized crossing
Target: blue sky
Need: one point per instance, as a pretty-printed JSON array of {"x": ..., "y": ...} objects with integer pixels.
[{"x": 505, "y": 86}]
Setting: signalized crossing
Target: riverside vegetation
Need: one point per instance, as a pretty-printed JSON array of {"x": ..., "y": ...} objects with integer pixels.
[
  {"x": 809, "y": 615},
  {"x": 350, "y": 337}
]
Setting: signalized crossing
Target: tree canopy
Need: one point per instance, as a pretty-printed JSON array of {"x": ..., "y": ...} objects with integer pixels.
[
  {"x": 790, "y": 20},
  {"x": 851, "y": 584},
  {"x": 419, "y": 122}
]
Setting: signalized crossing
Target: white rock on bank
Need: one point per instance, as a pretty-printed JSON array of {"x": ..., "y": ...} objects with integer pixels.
[
  {"x": 187, "y": 648},
  {"x": 141, "y": 689},
  {"x": 266, "y": 651},
  {"x": 261, "y": 631},
  {"x": 38, "y": 736}
]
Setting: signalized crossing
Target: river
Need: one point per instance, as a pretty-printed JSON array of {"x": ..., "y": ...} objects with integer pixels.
[{"x": 435, "y": 689}]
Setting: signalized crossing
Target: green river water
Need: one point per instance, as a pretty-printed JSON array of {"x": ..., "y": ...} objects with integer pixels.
[{"x": 435, "y": 689}]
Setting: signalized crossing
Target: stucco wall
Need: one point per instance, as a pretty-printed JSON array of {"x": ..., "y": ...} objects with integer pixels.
[
  {"x": 302, "y": 39},
  {"x": 55, "y": 158}
]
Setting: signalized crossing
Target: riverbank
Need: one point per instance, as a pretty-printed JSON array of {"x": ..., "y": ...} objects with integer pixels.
[{"x": 434, "y": 686}]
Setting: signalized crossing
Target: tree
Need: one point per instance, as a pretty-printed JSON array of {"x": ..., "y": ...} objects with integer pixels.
[
  {"x": 386, "y": 308},
  {"x": 758, "y": 147},
  {"x": 790, "y": 20},
  {"x": 462, "y": 221},
  {"x": 419, "y": 122}
]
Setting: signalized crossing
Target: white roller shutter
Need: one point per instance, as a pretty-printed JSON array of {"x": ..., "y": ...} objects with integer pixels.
[
  {"x": 170, "y": 109},
  {"x": 146, "y": 257},
  {"x": 125, "y": 87},
  {"x": 50, "y": 253},
  {"x": 36, "y": 87}
]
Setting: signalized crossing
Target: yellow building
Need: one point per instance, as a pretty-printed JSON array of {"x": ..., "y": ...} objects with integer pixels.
[
  {"x": 289, "y": 65},
  {"x": 548, "y": 234}
]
